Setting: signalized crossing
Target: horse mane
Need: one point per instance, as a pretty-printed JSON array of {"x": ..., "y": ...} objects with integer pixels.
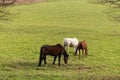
[
  {"x": 63, "y": 49},
  {"x": 59, "y": 45}
]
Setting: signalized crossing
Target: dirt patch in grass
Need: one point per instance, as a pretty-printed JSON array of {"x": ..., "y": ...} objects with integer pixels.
[
  {"x": 84, "y": 67},
  {"x": 107, "y": 77}
]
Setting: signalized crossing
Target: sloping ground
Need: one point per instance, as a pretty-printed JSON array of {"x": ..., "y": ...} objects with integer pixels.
[{"x": 49, "y": 23}]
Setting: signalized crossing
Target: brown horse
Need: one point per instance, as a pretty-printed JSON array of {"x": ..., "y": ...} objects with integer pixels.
[
  {"x": 82, "y": 45},
  {"x": 53, "y": 50}
]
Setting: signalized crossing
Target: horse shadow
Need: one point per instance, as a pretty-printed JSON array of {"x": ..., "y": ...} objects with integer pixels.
[{"x": 19, "y": 65}]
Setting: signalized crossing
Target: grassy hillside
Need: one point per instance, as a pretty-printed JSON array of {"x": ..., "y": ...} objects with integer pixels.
[{"x": 49, "y": 23}]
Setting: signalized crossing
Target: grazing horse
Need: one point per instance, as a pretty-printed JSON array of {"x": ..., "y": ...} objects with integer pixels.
[
  {"x": 53, "y": 50},
  {"x": 82, "y": 45},
  {"x": 70, "y": 42}
]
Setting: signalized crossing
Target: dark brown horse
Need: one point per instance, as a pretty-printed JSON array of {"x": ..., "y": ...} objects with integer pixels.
[
  {"x": 82, "y": 45},
  {"x": 53, "y": 50}
]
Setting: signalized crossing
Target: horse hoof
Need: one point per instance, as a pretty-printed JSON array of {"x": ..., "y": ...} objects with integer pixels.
[{"x": 39, "y": 65}]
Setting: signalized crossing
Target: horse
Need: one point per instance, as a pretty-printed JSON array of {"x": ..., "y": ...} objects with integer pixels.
[
  {"x": 82, "y": 45},
  {"x": 53, "y": 50},
  {"x": 70, "y": 42}
]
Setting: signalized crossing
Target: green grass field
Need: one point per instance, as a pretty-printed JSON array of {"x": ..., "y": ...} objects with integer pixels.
[{"x": 34, "y": 25}]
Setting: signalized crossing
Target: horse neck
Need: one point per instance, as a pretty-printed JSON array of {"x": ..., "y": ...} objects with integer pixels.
[{"x": 65, "y": 54}]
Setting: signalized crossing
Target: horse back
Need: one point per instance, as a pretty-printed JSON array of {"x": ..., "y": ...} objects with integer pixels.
[
  {"x": 82, "y": 45},
  {"x": 72, "y": 42},
  {"x": 51, "y": 49}
]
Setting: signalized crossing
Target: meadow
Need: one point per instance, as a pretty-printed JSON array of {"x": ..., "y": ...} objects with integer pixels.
[{"x": 36, "y": 24}]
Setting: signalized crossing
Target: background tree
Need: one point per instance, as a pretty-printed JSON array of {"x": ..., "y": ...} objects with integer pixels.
[
  {"x": 113, "y": 10},
  {"x": 4, "y": 13},
  {"x": 7, "y": 2}
]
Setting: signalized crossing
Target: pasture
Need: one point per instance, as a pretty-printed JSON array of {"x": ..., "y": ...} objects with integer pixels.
[{"x": 34, "y": 25}]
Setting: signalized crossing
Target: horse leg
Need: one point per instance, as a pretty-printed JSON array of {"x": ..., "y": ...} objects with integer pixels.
[
  {"x": 68, "y": 49},
  {"x": 86, "y": 52},
  {"x": 76, "y": 50},
  {"x": 65, "y": 47},
  {"x": 59, "y": 58},
  {"x": 82, "y": 53},
  {"x": 79, "y": 53},
  {"x": 54, "y": 60},
  {"x": 40, "y": 60},
  {"x": 44, "y": 59}
]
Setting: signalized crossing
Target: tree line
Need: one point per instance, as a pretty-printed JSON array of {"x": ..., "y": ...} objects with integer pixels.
[
  {"x": 113, "y": 8},
  {"x": 113, "y": 11},
  {"x": 4, "y": 13},
  {"x": 111, "y": 2}
]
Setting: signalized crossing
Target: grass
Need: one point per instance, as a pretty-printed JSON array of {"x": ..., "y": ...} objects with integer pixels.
[{"x": 49, "y": 23}]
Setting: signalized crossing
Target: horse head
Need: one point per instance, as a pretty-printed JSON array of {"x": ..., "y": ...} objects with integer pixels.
[{"x": 66, "y": 57}]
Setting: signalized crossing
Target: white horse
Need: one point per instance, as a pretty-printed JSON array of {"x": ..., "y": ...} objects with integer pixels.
[{"x": 70, "y": 42}]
